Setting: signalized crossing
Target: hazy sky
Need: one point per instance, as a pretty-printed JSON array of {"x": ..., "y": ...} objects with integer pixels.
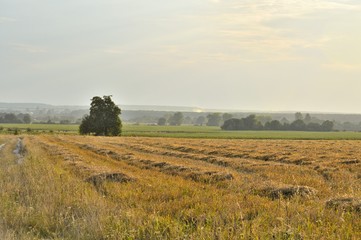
[{"x": 231, "y": 54}]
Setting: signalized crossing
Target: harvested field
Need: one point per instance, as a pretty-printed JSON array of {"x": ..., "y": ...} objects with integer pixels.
[{"x": 75, "y": 187}]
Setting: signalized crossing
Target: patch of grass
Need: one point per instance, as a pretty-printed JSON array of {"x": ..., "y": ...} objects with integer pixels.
[
  {"x": 130, "y": 130},
  {"x": 216, "y": 132}
]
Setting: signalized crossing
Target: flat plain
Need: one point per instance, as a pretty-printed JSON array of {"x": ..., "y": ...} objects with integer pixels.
[
  {"x": 184, "y": 131},
  {"x": 76, "y": 187}
]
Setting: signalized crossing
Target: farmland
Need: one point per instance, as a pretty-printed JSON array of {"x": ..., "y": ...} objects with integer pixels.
[
  {"x": 76, "y": 187},
  {"x": 185, "y": 131}
]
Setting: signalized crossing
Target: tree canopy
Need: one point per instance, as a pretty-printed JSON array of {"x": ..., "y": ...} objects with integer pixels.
[
  {"x": 200, "y": 120},
  {"x": 214, "y": 119},
  {"x": 103, "y": 119},
  {"x": 251, "y": 123},
  {"x": 162, "y": 121},
  {"x": 15, "y": 118},
  {"x": 177, "y": 119}
]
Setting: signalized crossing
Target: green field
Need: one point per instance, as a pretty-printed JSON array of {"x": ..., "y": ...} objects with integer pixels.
[
  {"x": 185, "y": 132},
  {"x": 216, "y": 132},
  {"x": 41, "y": 127}
]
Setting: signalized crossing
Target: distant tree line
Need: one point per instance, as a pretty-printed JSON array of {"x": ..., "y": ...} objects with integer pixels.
[
  {"x": 15, "y": 118},
  {"x": 299, "y": 124},
  {"x": 251, "y": 122},
  {"x": 177, "y": 119},
  {"x": 350, "y": 122}
]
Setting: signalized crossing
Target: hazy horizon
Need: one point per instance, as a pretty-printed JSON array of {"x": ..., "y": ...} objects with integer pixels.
[
  {"x": 144, "y": 107},
  {"x": 259, "y": 55}
]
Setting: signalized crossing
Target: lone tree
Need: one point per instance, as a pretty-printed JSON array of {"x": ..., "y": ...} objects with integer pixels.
[{"x": 103, "y": 119}]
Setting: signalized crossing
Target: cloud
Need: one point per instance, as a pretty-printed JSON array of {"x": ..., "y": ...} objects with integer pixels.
[
  {"x": 233, "y": 31},
  {"x": 28, "y": 48},
  {"x": 7, "y": 20},
  {"x": 114, "y": 50},
  {"x": 224, "y": 31},
  {"x": 345, "y": 67},
  {"x": 262, "y": 29},
  {"x": 290, "y": 8}
]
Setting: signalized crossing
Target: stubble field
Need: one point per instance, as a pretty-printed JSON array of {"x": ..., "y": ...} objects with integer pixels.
[{"x": 74, "y": 187}]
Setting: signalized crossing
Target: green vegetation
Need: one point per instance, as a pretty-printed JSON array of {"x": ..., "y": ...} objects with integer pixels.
[
  {"x": 214, "y": 119},
  {"x": 103, "y": 119},
  {"x": 184, "y": 131},
  {"x": 177, "y": 119},
  {"x": 216, "y": 132},
  {"x": 15, "y": 118},
  {"x": 39, "y": 128},
  {"x": 252, "y": 123}
]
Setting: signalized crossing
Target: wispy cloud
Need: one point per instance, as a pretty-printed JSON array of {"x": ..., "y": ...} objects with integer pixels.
[
  {"x": 28, "y": 48},
  {"x": 114, "y": 50},
  {"x": 247, "y": 31},
  {"x": 345, "y": 67},
  {"x": 271, "y": 9},
  {"x": 252, "y": 17},
  {"x": 7, "y": 19},
  {"x": 248, "y": 28}
]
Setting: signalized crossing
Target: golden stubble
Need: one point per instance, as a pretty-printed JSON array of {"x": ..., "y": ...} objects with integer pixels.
[{"x": 76, "y": 187}]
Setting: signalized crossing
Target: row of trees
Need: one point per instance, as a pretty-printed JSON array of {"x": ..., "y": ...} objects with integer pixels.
[
  {"x": 213, "y": 119},
  {"x": 251, "y": 123},
  {"x": 15, "y": 118}
]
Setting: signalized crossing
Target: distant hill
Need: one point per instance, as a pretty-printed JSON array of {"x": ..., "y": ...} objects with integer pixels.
[
  {"x": 150, "y": 114},
  {"x": 22, "y": 106},
  {"x": 13, "y": 107},
  {"x": 161, "y": 108}
]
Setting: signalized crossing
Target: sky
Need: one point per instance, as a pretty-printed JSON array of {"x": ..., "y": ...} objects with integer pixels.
[{"x": 264, "y": 55}]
